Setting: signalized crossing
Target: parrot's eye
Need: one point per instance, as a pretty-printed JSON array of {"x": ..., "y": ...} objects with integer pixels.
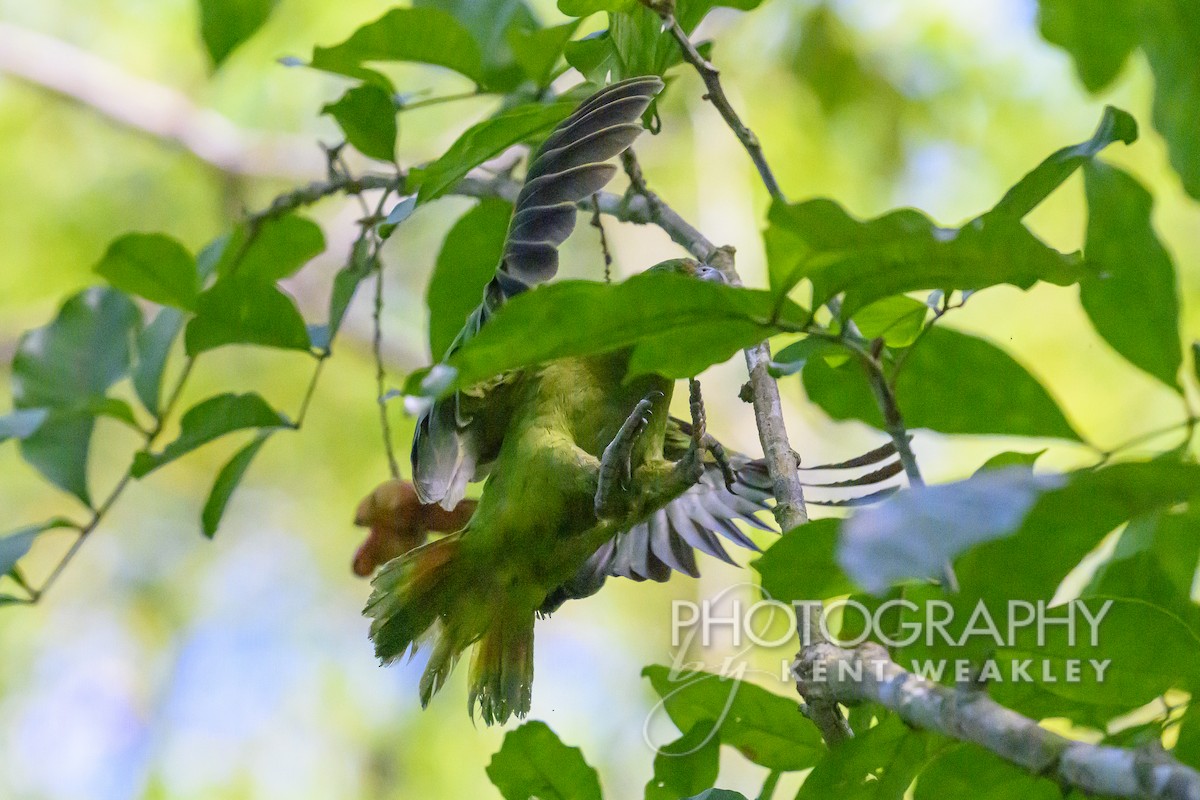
[{"x": 707, "y": 273}]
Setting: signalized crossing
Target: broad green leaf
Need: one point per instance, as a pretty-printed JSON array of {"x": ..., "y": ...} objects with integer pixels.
[
  {"x": 686, "y": 766},
  {"x": 904, "y": 251},
  {"x": 1187, "y": 747},
  {"x": 59, "y": 451},
  {"x": 897, "y": 320},
  {"x": 487, "y": 140},
  {"x": 913, "y": 533},
  {"x": 227, "y": 482},
  {"x": 1115, "y": 126},
  {"x": 66, "y": 365},
  {"x": 225, "y": 24},
  {"x": 1066, "y": 524},
  {"x": 968, "y": 772},
  {"x": 765, "y": 727},
  {"x": 1099, "y": 35},
  {"x": 583, "y": 8},
  {"x": 152, "y": 266},
  {"x": 534, "y": 763},
  {"x": 1155, "y": 561},
  {"x": 14, "y": 546},
  {"x": 274, "y": 249},
  {"x": 1012, "y": 458},
  {"x": 367, "y": 116},
  {"x": 22, "y": 423},
  {"x": 245, "y": 311},
  {"x": 677, "y": 326},
  {"x": 801, "y": 565},
  {"x": 78, "y": 356},
  {"x": 537, "y": 52},
  {"x": 1132, "y": 299},
  {"x": 153, "y": 348},
  {"x": 492, "y": 23},
  {"x": 1171, "y": 39},
  {"x": 594, "y": 57},
  {"x": 1135, "y": 675},
  {"x": 879, "y": 764},
  {"x": 793, "y": 358},
  {"x": 345, "y": 283},
  {"x": 423, "y": 35},
  {"x": 467, "y": 261},
  {"x": 209, "y": 420},
  {"x": 951, "y": 382}
]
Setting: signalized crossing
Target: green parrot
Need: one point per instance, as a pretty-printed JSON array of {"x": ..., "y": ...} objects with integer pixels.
[{"x": 587, "y": 475}]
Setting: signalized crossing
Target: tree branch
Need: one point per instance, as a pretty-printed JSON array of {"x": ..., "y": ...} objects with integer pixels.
[
  {"x": 868, "y": 674},
  {"x": 151, "y": 108},
  {"x": 716, "y": 95}
]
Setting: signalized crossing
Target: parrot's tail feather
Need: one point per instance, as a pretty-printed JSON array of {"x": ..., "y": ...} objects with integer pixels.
[
  {"x": 411, "y": 594},
  {"x": 502, "y": 667}
]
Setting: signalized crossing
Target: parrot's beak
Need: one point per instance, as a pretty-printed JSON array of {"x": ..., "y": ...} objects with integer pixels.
[{"x": 706, "y": 273}]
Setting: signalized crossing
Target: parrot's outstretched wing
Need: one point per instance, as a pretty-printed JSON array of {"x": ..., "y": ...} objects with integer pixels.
[
  {"x": 457, "y": 437},
  {"x": 707, "y": 512}
]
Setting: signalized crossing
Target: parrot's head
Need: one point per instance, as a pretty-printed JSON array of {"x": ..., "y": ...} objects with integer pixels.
[{"x": 690, "y": 268}]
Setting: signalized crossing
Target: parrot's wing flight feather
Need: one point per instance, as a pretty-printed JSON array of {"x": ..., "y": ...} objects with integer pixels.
[{"x": 457, "y": 437}]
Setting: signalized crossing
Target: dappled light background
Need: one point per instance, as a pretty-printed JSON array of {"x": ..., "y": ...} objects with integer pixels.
[{"x": 164, "y": 665}]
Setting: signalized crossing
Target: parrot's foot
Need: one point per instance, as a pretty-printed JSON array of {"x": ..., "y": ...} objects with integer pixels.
[{"x": 615, "y": 464}]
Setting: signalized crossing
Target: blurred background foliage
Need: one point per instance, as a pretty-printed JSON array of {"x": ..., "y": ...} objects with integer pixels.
[{"x": 168, "y": 666}]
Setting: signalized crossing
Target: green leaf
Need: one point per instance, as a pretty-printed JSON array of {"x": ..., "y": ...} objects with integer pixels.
[
  {"x": 678, "y": 326},
  {"x": 1136, "y": 674},
  {"x": 486, "y": 140},
  {"x": 913, "y": 533},
  {"x": 275, "y": 249},
  {"x": 367, "y": 116},
  {"x": 466, "y": 262},
  {"x": 1187, "y": 747},
  {"x": 801, "y": 565},
  {"x": 225, "y": 24},
  {"x": 879, "y": 764},
  {"x": 534, "y": 763},
  {"x": 492, "y": 23},
  {"x": 904, "y": 251},
  {"x": 537, "y": 52},
  {"x": 66, "y": 365},
  {"x": 686, "y": 766},
  {"x": 583, "y": 8},
  {"x": 1171, "y": 39},
  {"x": 22, "y": 423},
  {"x": 152, "y": 266},
  {"x": 227, "y": 482},
  {"x": 1115, "y": 126},
  {"x": 1012, "y": 458},
  {"x": 1132, "y": 300},
  {"x": 1099, "y": 35},
  {"x": 243, "y": 311},
  {"x": 764, "y": 727},
  {"x": 423, "y": 35},
  {"x": 1155, "y": 562},
  {"x": 78, "y": 356},
  {"x": 153, "y": 348},
  {"x": 951, "y": 383},
  {"x": 209, "y": 420},
  {"x": 14, "y": 546},
  {"x": 968, "y": 772},
  {"x": 897, "y": 320},
  {"x": 59, "y": 451},
  {"x": 345, "y": 284}
]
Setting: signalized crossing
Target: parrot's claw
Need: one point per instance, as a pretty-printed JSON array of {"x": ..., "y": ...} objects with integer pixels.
[{"x": 615, "y": 463}]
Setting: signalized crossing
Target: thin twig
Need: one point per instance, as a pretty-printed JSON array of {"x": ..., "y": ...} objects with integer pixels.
[
  {"x": 598, "y": 224},
  {"x": 716, "y": 95}
]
